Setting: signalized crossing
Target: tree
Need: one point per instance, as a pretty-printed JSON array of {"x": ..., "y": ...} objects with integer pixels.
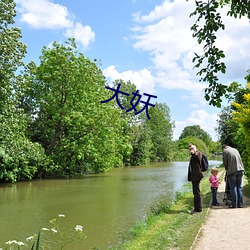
[
  {"x": 78, "y": 132},
  {"x": 129, "y": 121},
  {"x": 208, "y": 23},
  {"x": 227, "y": 127},
  {"x": 242, "y": 117},
  {"x": 161, "y": 132},
  {"x": 196, "y": 131},
  {"x": 141, "y": 144},
  {"x": 229, "y": 130},
  {"x": 19, "y": 157},
  {"x": 183, "y": 144},
  {"x": 12, "y": 50}
]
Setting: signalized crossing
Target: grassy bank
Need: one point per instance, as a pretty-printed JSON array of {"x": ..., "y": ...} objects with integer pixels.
[{"x": 170, "y": 227}]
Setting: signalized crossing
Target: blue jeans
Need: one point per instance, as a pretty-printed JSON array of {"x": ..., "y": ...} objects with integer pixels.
[
  {"x": 235, "y": 182},
  {"x": 214, "y": 196}
]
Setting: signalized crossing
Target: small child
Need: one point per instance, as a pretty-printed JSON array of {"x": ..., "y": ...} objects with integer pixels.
[{"x": 214, "y": 185}]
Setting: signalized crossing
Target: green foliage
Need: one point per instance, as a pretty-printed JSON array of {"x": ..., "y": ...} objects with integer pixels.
[
  {"x": 238, "y": 8},
  {"x": 52, "y": 121},
  {"x": 241, "y": 116},
  {"x": 12, "y": 50},
  {"x": 233, "y": 123},
  {"x": 227, "y": 127},
  {"x": 215, "y": 148},
  {"x": 161, "y": 132},
  {"x": 196, "y": 131},
  {"x": 205, "y": 28},
  {"x": 36, "y": 243},
  {"x": 20, "y": 158},
  {"x": 130, "y": 130},
  {"x": 141, "y": 145},
  {"x": 201, "y": 146},
  {"x": 77, "y": 131}
]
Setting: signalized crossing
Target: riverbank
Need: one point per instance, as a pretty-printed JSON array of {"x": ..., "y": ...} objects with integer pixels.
[{"x": 173, "y": 227}]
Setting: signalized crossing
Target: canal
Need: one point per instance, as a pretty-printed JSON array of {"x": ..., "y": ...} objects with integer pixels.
[{"x": 105, "y": 204}]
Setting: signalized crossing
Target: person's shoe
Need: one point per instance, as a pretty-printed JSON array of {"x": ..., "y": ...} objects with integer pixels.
[
  {"x": 231, "y": 206},
  {"x": 241, "y": 206},
  {"x": 194, "y": 212},
  {"x": 217, "y": 204}
]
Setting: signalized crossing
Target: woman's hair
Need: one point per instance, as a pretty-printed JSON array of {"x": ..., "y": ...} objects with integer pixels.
[{"x": 214, "y": 170}]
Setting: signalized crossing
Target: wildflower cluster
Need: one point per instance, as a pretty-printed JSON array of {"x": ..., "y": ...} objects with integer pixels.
[{"x": 40, "y": 239}]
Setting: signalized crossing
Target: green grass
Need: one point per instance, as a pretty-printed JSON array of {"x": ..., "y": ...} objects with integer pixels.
[
  {"x": 170, "y": 226},
  {"x": 246, "y": 188}
]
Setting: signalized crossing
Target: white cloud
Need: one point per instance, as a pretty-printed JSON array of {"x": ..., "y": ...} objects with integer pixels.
[
  {"x": 83, "y": 34},
  {"x": 44, "y": 14},
  {"x": 167, "y": 37},
  {"x": 165, "y": 33},
  {"x": 234, "y": 41},
  {"x": 143, "y": 79},
  {"x": 200, "y": 117}
]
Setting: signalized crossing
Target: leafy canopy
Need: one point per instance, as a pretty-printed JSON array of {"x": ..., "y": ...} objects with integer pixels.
[{"x": 205, "y": 28}]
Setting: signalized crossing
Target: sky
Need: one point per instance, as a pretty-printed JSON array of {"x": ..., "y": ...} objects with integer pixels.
[{"x": 147, "y": 42}]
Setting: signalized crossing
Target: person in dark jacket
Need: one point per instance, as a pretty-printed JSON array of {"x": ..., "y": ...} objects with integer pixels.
[
  {"x": 195, "y": 175},
  {"x": 235, "y": 169}
]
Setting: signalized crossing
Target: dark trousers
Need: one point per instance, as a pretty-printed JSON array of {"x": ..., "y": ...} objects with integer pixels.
[
  {"x": 214, "y": 196},
  {"x": 197, "y": 196}
]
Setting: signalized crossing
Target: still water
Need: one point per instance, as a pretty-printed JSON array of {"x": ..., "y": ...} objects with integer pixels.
[{"x": 105, "y": 204}]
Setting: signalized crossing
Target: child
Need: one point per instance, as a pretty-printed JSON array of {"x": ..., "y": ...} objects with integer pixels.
[{"x": 214, "y": 185}]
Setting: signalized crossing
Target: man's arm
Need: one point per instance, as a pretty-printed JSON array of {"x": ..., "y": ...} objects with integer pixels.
[{"x": 224, "y": 159}]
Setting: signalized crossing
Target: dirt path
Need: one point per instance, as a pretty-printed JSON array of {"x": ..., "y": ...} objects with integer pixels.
[{"x": 225, "y": 228}]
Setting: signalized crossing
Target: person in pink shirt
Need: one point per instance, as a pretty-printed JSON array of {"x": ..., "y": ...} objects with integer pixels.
[{"x": 214, "y": 186}]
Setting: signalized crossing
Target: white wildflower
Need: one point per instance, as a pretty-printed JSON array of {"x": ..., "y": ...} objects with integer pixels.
[
  {"x": 45, "y": 229},
  {"x": 20, "y": 243},
  {"x": 54, "y": 230},
  {"x": 29, "y": 238},
  {"x": 10, "y": 242},
  {"x": 78, "y": 228},
  {"x": 61, "y": 215}
]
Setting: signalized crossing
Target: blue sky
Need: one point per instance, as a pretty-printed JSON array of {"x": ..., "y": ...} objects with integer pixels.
[{"x": 148, "y": 42}]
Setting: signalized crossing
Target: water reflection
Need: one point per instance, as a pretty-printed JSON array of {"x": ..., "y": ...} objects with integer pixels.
[{"x": 104, "y": 204}]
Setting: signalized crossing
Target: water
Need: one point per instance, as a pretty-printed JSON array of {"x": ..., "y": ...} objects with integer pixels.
[{"x": 104, "y": 204}]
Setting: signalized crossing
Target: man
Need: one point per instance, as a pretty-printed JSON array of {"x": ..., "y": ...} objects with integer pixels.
[
  {"x": 195, "y": 175},
  {"x": 235, "y": 169}
]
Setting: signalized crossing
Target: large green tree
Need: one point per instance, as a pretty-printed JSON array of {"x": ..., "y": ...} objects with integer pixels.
[
  {"x": 77, "y": 131},
  {"x": 205, "y": 29},
  {"x": 19, "y": 157}
]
